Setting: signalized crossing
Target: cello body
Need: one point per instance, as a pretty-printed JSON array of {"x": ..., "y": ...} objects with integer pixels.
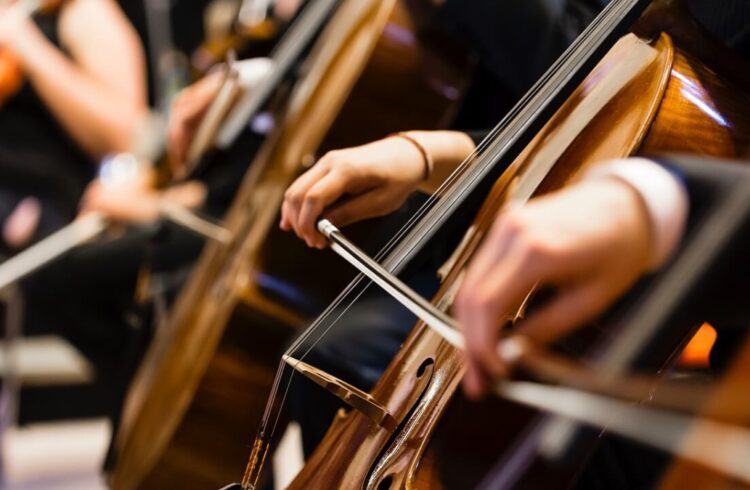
[
  {"x": 191, "y": 411},
  {"x": 643, "y": 98}
]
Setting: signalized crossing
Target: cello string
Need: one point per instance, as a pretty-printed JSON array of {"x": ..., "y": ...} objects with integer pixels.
[
  {"x": 583, "y": 42},
  {"x": 522, "y": 111},
  {"x": 485, "y": 144},
  {"x": 582, "y": 49},
  {"x": 517, "y": 350},
  {"x": 88, "y": 228},
  {"x": 308, "y": 334},
  {"x": 407, "y": 297},
  {"x": 658, "y": 428},
  {"x": 729, "y": 443}
]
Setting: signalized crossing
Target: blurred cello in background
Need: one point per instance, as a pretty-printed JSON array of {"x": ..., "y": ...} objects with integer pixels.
[
  {"x": 201, "y": 390},
  {"x": 248, "y": 30},
  {"x": 645, "y": 96}
]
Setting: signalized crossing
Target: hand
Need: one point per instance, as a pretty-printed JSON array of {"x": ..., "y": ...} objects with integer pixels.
[
  {"x": 188, "y": 110},
  {"x": 140, "y": 204},
  {"x": 130, "y": 202},
  {"x": 375, "y": 178},
  {"x": 15, "y": 27},
  {"x": 590, "y": 243},
  {"x": 285, "y": 9}
]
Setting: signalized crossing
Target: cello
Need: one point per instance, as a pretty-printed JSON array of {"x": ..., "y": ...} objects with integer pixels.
[
  {"x": 645, "y": 96},
  {"x": 204, "y": 381}
]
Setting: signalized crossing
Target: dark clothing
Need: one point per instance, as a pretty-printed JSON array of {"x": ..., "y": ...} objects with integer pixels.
[
  {"x": 730, "y": 23},
  {"x": 95, "y": 309},
  {"x": 362, "y": 344},
  {"x": 37, "y": 157},
  {"x": 88, "y": 296},
  {"x": 186, "y": 17},
  {"x": 728, "y": 19},
  {"x": 224, "y": 173},
  {"x": 517, "y": 41}
]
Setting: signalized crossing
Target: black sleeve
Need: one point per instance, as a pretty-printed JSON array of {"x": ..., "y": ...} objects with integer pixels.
[
  {"x": 708, "y": 182},
  {"x": 224, "y": 172},
  {"x": 518, "y": 40}
]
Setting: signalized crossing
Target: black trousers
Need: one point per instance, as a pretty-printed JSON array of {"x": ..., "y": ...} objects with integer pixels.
[{"x": 87, "y": 297}]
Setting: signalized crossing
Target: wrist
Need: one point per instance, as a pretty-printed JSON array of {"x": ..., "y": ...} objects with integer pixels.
[
  {"x": 663, "y": 198},
  {"x": 27, "y": 44},
  {"x": 425, "y": 158}
]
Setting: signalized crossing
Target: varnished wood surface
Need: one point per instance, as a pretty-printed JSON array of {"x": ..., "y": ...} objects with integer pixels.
[
  {"x": 443, "y": 441},
  {"x": 199, "y": 396},
  {"x": 731, "y": 390}
]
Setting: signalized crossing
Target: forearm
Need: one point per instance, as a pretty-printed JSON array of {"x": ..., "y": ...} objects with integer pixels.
[
  {"x": 663, "y": 196},
  {"x": 99, "y": 119},
  {"x": 447, "y": 150}
]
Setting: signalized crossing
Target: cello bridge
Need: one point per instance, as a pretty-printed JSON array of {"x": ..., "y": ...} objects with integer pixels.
[{"x": 349, "y": 394}]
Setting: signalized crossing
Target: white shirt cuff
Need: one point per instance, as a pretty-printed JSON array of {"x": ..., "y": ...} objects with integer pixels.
[{"x": 664, "y": 196}]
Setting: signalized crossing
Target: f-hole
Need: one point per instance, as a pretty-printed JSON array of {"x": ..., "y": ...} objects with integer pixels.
[
  {"x": 385, "y": 483},
  {"x": 423, "y": 378},
  {"x": 423, "y": 367}
]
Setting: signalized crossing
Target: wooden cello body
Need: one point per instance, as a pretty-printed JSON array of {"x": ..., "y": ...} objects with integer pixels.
[
  {"x": 643, "y": 98},
  {"x": 194, "y": 404}
]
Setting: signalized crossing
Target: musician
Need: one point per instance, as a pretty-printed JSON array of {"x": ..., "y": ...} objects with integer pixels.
[
  {"x": 83, "y": 97},
  {"x": 594, "y": 239},
  {"x": 92, "y": 295},
  {"x": 379, "y": 177},
  {"x": 590, "y": 242},
  {"x": 623, "y": 221}
]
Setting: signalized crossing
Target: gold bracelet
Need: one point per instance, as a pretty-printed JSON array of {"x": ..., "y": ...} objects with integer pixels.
[{"x": 429, "y": 164}]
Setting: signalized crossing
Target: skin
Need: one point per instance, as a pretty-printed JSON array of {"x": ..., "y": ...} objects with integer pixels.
[
  {"x": 285, "y": 9},
  {"x": 98, "y": 91},
  {"x": 138, "y": 202},
  {"x": 375, "y": 179},
  {"x": 141, "y": 202},
  {"x": 188, "y": 110},
  {"x": 589, "y": 242},
  {"x": 21, "y": 224}
]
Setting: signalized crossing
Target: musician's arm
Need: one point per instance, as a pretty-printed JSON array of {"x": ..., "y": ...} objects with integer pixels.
[
  {"x": 664, "y": 196},
  {"x": 371, "y": 180},
  {"x": 99, "y": 96},
  {"x": 588, "y": 244}
]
